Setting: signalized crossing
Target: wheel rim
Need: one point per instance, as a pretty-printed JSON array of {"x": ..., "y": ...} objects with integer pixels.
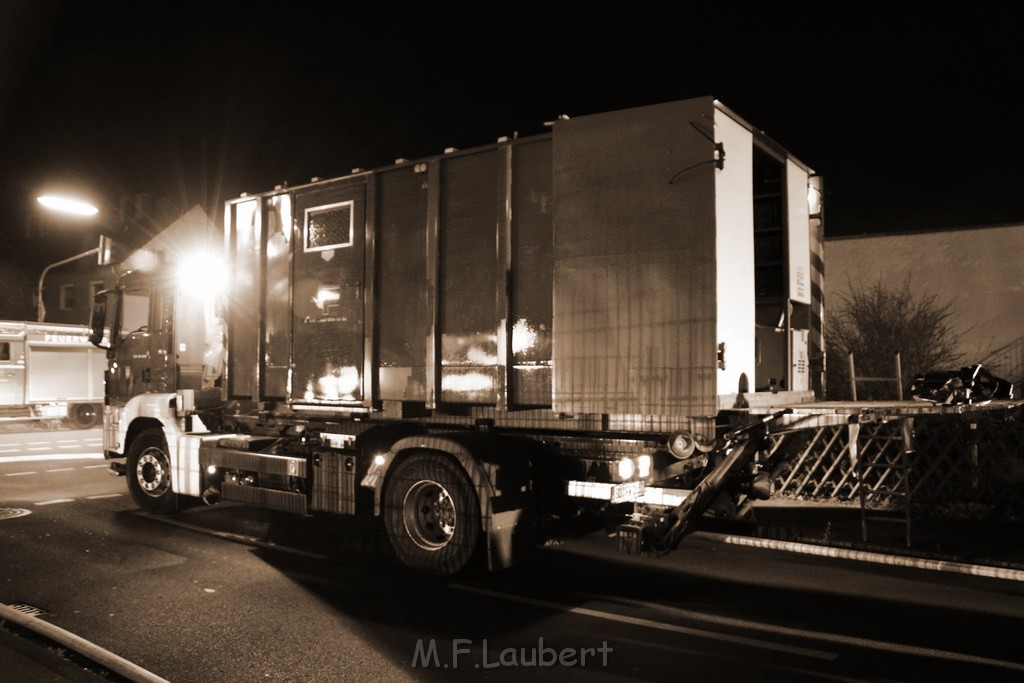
[
  {"x": 152, "y": 472},
  {"x": 85, "y": 413},
  {"x": 430, "y": 515}
]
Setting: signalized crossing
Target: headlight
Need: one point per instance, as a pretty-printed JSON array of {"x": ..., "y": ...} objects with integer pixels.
[
  {"x": 643, "y": 466},
  {"x": 626, "y": 468}
]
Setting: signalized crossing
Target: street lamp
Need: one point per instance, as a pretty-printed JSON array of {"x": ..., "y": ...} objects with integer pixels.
[
  {"x": 73, "y": 207},
  {"x": 68, "y": 205}
]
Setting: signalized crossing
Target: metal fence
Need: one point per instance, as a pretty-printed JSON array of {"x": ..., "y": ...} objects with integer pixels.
[{"x": 969, "y": 465}]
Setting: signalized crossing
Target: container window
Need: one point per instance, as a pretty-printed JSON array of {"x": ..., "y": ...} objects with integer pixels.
[{"x": 328, "y": 227}]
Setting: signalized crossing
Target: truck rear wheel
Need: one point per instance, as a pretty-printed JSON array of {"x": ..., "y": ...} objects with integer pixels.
[
  {"x": 431, "y": 514},
  {"x": 148, "y": 471},
  {"x": 84, "y": 415}
]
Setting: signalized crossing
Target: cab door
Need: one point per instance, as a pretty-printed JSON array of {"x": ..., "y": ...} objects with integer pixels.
[
  {"x": 142, "y": 351},
  {"x": 329, "y": 296}
]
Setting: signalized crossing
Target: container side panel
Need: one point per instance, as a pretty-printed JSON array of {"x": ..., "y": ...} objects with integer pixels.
[
  {"x": 277, "y": 299},
  {"x": 634, "y": 279},
  {"x": 799, "y": 234},
  {"x": 469, "y": 278},
  {"x": 532, "y": 262},
  {"x": 735, "y": 257},
  {"x": 328, "y": 351},
  {"x": 404, "y": 319},
  {"x": 243, "y": 337}
]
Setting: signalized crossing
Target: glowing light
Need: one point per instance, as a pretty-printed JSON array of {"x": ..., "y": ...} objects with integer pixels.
[
  {"x": 523, "y": 336},
  {"x": 340, "y": 384},
  {"x": 326, "y": 295},
  {"x": 143, "y": 260},
  {"x": 68, "y": 205},
  {"x": 626, "y": 468},
  {"x": 211, "y": 469},
  {"x": 479, "y": 356},
  {"x": 202, "y": 274},
  {"x": 468, "y": 382},
  {"x": 643, "y": 465},
  {"x": 378, "y": 460}
]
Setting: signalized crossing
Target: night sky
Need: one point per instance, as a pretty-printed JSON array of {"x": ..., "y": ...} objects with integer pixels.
[{"x": 914, "y": 121}]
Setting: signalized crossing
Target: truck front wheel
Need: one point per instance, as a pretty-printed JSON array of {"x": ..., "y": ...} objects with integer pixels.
[
  {"x": 148, "y": 470},
  {"x": 431, "y": 514}
]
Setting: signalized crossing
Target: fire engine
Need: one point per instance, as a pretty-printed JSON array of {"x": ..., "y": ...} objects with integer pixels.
[{"x": 50, "y": 372}]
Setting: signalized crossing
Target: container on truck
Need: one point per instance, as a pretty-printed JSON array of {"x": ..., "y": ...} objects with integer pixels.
[{"x": 475, "y": 344}]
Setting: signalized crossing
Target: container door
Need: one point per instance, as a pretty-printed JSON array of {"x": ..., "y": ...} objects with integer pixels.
[{"x": 329, "y": 294}]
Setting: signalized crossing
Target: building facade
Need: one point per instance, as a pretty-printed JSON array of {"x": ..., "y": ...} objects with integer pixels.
[{"x": 977, "y": 271}]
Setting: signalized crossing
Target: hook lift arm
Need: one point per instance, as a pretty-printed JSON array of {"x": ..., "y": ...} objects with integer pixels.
[{"x": 661, "y": 533}]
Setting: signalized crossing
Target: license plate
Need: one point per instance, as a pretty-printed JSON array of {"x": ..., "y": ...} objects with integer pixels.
[{"x": 629, "y": 491}]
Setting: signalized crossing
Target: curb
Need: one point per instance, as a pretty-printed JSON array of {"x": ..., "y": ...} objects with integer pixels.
[
  {"x": 868, "y": 556},
  {"x": 95, "y": 653}
]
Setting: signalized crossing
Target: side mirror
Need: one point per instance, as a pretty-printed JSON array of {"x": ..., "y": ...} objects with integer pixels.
[{"x": 98, "y": 322}]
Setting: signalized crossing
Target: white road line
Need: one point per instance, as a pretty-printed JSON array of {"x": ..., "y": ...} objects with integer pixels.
[
  {"x": 54, "y": 502},
  {"x": 40, "y": 448},
  {"x": 105, "y": 495},
  {"x": 63, "y": 469},
  {"x": 51, "y": 456},
  {"x": 93, "y": 467},
  {"x": 824, "y": 636},
  {"x": 19, "y": 474},
  {"x": 661, "y": 626},
  {"x": 830, "y": 638}
]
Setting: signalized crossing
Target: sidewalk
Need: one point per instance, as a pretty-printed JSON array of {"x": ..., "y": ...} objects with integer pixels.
[{"x": 972, "y": 541}]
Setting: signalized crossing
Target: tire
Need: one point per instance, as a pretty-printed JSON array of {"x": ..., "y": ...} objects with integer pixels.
[
  {"x": 431, "y": 514},
  {"x": 84, "y": 415},
  {"x": 148, "y": 470}
]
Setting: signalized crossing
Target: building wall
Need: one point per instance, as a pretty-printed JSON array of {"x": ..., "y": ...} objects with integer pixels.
[{"x": 978, "y": 271}]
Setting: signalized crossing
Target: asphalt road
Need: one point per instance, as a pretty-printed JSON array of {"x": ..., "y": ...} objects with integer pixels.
[{"x": 231, "y": 593}]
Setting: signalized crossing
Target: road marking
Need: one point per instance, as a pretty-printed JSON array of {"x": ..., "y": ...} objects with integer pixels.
[
  {"x": 20, "y": 474},
  {"x": 39, "y": 448},
  {"x": 661, "y": 626},
  {"x": 54, "y": 502},
  {"x": 105, "y": 495},
  {"x": 94, "y": 467},
  {"x": 823, "y": 636},
  {"x": 62, "y": 469},
  {"x": 51, "y": 456}
]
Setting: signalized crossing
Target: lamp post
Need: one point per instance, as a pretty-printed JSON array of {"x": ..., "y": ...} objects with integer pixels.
[
  {"x": 73, "y": 207},
  {"x": 39, "y": 294}
]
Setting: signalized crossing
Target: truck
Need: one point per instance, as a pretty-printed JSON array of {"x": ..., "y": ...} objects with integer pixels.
[
  {"x": 50, "y": 372},
  {"x": 606, "y": 318}
]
